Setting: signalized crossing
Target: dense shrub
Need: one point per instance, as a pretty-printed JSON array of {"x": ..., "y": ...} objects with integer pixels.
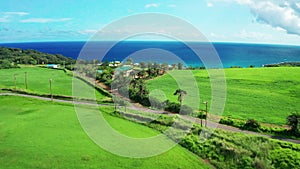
[
  {"x": 283, "y": 158},
  {"x": 186, "y": 110},
  {"x": 232, "y": 122},
  {"x": 155, "y": 103},
  {"x": 6, "y": 64},
  {"x": 201, "y": 115},
  {"x": 164, "y": 120},
  {"x": 293, "y": 120},
  {"x": 252, "y": 124},
  {"x": 172, "y": 107}
]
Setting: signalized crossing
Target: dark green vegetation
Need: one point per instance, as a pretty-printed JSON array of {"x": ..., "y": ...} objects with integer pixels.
[
  {"x": 267, "y": 95},
  {"x": 132, "y": 84},
  {"x": 234, "y": 150},
  {"x": 227, "y": 149},
  {"x": 11, "y": 57},
  {"x": 284, "y": 64},
  {"x": 294, "y": 121},
  {"x": 43, "y": 134},
  {"x": 251, "y": 124},
  {"x": 38, "y": 82}
]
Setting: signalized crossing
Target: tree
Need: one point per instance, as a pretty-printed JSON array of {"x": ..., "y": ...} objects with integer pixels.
[
  {"x": 141, "y": 74},
  {"x": 293, "y": 121},
  {"x": 156, "y": 65},
  {"x": 133, "y": 83},
  {"x": 143, "y": 65},
  {"x": 252, "y": 124},
  {"x": 179, "y": 65},
  {"x": 165, "y": 66},
  {"x": 5, "y": 64},
  {"x": 180, "y": 94},
  {"x": 149, "y": 65},
  {"x": 129, "y": 61},
  {"x": 142, "y": 87}
]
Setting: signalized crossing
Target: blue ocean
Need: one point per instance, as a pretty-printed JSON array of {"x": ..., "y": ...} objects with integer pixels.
[{"x": 231, "y": 54}]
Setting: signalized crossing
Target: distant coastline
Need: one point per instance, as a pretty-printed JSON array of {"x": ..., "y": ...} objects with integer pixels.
[{"x": 231, "y": 54}]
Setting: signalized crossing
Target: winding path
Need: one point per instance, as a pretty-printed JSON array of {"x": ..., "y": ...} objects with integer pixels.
[{"x": 141, "y": 108}]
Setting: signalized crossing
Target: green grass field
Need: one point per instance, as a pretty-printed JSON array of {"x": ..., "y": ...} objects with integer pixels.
[
  {"x": 43, "y": 134},
  {"x": 268, "y": 95},
  {"x": 38, "y": 82}
]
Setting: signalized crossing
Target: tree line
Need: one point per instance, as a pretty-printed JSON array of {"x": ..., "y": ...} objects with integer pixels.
[{"x": 12, "y": 57}]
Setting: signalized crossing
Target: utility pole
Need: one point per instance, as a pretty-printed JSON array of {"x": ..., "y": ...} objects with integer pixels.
[
  {"x": 201, "y": 116},
  {"x": 26, "y": 84},
  {"x": 51, "y": 94},
  {"x": 206, "y": 110},
  {"x": 15, "y": 79}
]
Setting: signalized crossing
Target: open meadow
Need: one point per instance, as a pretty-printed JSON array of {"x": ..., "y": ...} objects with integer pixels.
[
  {"x": 38, "y": 82},
  {"x": 267, "y": 95},
  {"x": 44, "y": 134}
]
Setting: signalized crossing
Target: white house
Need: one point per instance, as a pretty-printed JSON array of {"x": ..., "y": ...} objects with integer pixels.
[{"x": 53, "y": 66}]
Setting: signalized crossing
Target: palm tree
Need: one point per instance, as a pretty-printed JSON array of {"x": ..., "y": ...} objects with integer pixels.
[
  {"x": 142, "y": 87},
  {"x": 180, "y": 94},
  {"x": 293, "y": 120},
  {"x": 141, "y": 74},
  {"x": 143, "y": 65},
  {"x": 133, "y": 83}
]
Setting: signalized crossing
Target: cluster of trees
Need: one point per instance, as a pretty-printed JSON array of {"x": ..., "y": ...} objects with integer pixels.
[
  {"x": 138, "y": 92},
  {"x": 134, "y": 86},
  {"x": 284, "y": 64},
  {"x": 11, "y": 57}
]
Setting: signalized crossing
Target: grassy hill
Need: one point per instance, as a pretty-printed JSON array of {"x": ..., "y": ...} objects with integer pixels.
[
  {"x": 266, "y": 94},
  {"x": 38, "y": 82},
  {"x": 43, "y": 134}
]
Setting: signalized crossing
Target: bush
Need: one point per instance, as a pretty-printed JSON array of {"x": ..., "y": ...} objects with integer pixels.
[
  {"x": 172, "y": 107},
  {"x": 232, "y": 122},
  {"x": 155, "y": 103},
  {"x": 227, "y": 121},
  {"x": 293, "y": 121},
  {"x": 165, "y": 120},
  {"x": 251, "y": 124},
  {"x": 202, "y": 115},
  {"x": 285, "y": 158},
  {"x": 255, "y": 126},
  {"x": 186, "y": 110}
]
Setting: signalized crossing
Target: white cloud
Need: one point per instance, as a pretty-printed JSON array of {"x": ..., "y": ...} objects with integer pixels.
[
  {"x": 209, "y": 4},
  {"x": 6, "y": 16},
  {"x": 87, "y": 31},
  {"x": 151, "y": 5},
  {"x": 45, "y": 20},
  {"x": 254, "y": 35},
  {"x": 282, "y": 14},
  {"x": 4, "y": 19},
  {"x": 16, "y": 13}
]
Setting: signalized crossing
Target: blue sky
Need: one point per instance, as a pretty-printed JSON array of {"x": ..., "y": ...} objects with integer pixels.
[{"x": 248, "y": 21}]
